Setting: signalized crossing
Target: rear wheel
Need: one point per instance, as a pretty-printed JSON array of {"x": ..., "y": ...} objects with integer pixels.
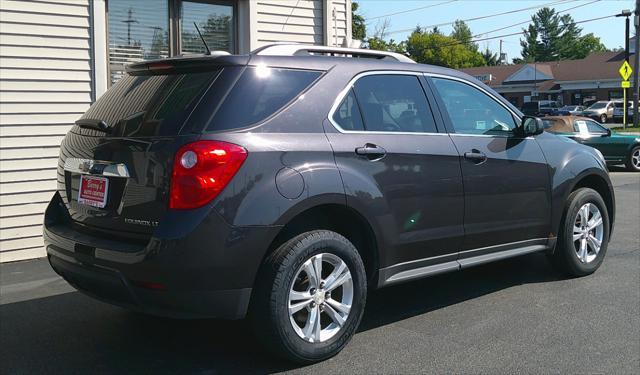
[
  {"x": 633, "y": 160},
  {"x": 309, "y": 297},
  {"x": 584, "y": 235},
  {"x": 603, "y": 119}
]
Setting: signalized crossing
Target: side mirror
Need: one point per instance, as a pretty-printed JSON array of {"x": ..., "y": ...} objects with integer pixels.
[
  {"x": 531, "y": 126},
  {"x": 608, "y": 133}
]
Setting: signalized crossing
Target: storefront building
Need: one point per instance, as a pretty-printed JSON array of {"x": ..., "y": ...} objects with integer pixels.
[
  {"x": 580, "y": 82},
  {"x": 58, "y": 56}
]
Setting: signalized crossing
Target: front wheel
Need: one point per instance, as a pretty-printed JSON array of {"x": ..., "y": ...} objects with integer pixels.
[
  {"x": 603, "y": 119},
  {"x": 584, "y": 234},
  {"x": 633, "y": 160},
  {"x": 309, "y": 297}
]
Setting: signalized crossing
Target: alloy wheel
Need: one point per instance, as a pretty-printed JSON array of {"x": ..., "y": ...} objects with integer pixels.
[
  {"x": 588, "y": 231},
  {"x": 320, "y": 297},
  {"x": 635, "y": 158}
]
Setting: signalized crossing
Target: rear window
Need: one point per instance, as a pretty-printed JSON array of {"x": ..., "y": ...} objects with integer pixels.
[
  {"x": 259, "y": 93},
  {"x": 151, "y": 105}
]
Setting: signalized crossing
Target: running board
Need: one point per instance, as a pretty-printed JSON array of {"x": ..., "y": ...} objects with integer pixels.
[{"x": 399, "y": 273}]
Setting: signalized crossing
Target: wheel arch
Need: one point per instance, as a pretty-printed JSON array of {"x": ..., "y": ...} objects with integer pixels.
[
  {"x": 341, "y": 219},
  {"x": 598, "y": 183}
]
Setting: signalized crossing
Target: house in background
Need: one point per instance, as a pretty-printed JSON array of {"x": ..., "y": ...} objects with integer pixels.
[
  {"x": 581, "y": 81},
  {"x": 58, "y": 56}
]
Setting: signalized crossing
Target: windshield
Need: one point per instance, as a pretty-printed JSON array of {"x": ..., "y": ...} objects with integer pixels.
[{"x": 598, "y": 105}]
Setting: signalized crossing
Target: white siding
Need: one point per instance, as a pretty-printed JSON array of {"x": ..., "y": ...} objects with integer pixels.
[
  {"x": 289, "y": 21},
  {"x": 301, "y": 21},
  {"x": 45, "y": 85}
]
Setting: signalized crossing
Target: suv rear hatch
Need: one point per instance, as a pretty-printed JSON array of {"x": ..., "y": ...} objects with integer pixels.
[{"x": 115, "y": 165}]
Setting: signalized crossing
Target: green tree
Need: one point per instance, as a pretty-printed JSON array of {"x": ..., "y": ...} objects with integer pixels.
[
  {"x": 462, "y": 33},
  {"x": 490, "y": 58},
  {"x": 437, "y": 49},
  {"x": 358, "y": 27},
  {"x": 553, "y": 37}
]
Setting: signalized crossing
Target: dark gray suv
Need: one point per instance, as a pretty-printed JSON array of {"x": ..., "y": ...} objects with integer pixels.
[{"x": 284, "y": 184}]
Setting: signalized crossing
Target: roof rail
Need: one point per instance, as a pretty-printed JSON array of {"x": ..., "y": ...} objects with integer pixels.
[{"x": 292, "y": 49}]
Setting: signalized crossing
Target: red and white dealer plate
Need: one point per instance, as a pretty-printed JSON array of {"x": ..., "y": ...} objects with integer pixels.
[{"x": 93, "y": 191}]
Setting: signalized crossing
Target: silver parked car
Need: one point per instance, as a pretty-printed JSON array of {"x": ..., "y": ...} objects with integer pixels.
[{"x": 601, "y": 111}]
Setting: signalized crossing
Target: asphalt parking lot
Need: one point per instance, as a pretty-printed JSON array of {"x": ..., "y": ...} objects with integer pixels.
[{"x": 515, "y": 316}]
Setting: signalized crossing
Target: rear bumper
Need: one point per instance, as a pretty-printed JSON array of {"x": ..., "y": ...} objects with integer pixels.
[{"x": 206, "y": 273}]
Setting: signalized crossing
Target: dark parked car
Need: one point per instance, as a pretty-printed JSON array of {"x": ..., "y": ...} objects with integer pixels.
[
  {"x": 284, "y": 184},
  {"x": 540, "y": 108},
  {"x": 616, "y": 148}
]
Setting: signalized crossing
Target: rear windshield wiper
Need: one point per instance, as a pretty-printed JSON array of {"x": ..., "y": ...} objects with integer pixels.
[{"x": 95, "y": 124}]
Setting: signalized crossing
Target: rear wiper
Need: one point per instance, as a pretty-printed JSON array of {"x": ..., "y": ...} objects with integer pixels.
[{"x": 95, "y": 124}]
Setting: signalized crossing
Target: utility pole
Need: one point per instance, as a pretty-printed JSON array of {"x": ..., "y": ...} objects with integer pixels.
[
  {"x": 636, "y": 23},
  {"x": 500, "y": 55}
]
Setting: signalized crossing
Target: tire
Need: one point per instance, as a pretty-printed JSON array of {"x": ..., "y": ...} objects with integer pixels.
[
  {"x": 567, "y": 255},
  {"x": 633, "y": 160},
  {"x": 603, "y": 119},
  {"x": 284, "y": 271}
]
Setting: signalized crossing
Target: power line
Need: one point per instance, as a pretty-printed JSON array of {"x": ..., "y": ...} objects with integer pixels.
[
  {"x": 513, "y": 34},
  {"x": 484, "y": 17},
  {"x": 529, "y": 20},
  {"x": 409, "y": 10}
]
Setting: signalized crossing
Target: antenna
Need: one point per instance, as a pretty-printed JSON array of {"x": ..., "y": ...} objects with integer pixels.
[{"x": 203, "y": 41}]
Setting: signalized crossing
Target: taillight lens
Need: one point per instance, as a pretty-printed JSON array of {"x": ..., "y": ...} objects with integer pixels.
[{"x": 201, "y": 170}]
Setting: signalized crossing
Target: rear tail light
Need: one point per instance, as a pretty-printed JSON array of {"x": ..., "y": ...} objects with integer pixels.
[{"x": 201, "y": 170}]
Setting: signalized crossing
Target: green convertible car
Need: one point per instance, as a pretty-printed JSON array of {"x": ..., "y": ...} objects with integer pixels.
[{"x": 616, "y": 148}]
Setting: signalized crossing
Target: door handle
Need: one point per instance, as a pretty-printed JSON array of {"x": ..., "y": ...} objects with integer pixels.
[
  {"x": 371, "y": 151},
  {"x": 475, "y": 156}
]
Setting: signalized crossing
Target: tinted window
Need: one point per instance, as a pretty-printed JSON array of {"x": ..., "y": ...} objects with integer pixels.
[
  {"x": 472, "y": 111},
  {"x": 259, "y": 93},
  {"x": 394, "y": 103},
  {"x": 147, "y": 105},
  {"x": 347, "y": 116}
]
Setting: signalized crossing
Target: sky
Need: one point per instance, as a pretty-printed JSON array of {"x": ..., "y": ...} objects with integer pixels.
[{"x": 433, "y": 12}]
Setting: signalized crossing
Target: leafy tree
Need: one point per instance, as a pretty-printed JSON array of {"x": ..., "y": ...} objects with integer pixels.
[
  {"x": 358, "y": 27},
  {"x": 553, "y": 37},
  {"x": 462, "y": 33},
  {"x": 437, "y": 49}
]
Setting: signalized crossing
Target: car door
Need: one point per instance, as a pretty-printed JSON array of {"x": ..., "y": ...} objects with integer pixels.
[
  {"x": 505, "y": 176},
  {"x": 590, "y": 133},
  {"x": 398, "y": 169}
]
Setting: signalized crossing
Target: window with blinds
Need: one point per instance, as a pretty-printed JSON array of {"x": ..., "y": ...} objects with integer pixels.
[
  {"x": 215, "y": 21},
  {"x": 138, "y": 30}
]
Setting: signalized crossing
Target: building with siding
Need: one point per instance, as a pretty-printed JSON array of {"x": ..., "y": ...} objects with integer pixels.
[{"x": 58, "y": 56}]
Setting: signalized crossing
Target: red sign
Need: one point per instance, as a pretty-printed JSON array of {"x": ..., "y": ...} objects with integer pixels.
[{"x": 93, "y": 191}]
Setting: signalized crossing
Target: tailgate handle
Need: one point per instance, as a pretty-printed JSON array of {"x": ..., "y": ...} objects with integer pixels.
[
  {"x": 96, "y": 167},
  {"x": 95, "y": 124}
]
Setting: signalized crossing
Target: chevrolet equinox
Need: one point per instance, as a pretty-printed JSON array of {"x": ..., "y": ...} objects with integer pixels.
[{"x": 284, "y": 184}]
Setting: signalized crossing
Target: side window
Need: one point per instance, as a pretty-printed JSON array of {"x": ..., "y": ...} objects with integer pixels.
[
  {"x": 347, "y": 116},
  {"x": 394, "y": 103},
  {"x": 472, "y": 111},
  {"x": 588, "y": 126},
  {"x": 259, "y": 93}
]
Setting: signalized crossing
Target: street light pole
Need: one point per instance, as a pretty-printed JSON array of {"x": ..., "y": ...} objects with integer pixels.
[{"x": 636, "y": 22}]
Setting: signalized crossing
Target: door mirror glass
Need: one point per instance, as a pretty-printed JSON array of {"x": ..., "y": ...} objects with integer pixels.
[{"x": 531, "y": 125}]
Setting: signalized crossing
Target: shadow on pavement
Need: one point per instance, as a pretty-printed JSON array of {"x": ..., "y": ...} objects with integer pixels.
[{"x": 72, "y": 333}]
